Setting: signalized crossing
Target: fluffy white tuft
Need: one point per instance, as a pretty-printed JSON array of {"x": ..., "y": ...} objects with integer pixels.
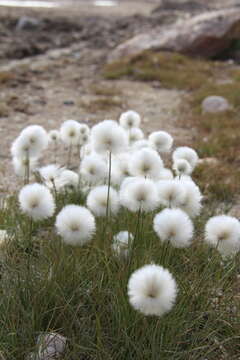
[
  {"x": 175, "y": 226},
  {"x": 70, "y": 132},
  {"x": 50, "y": 174},
  {"x": 135, "y": 134},
  {"x": 30, "y": 143},
  {"x": 171, "y": 193},
  {"x": 67, "y": 178},
  {"x": 139, "y": 193},
  {"x": 97, "y": 201},
  {"x": 186, "y": 153},
  {"x": 182, "y": 167},
  {"x": 152, "y": 290},
  {"x": 165, "y": 174},
  {"x": 20, "y": 165},
  {"x": 93, "y": 169},
  {"x": 191, "y": 203},
  {"x": 223, "y": 232},
  {"x": 161, "y": 141},
  {"x": 108, "y": 136},
  {"x": 36, "y": 201},
  {"x": 130, "y": 119},
  {"x": 75, "y": 224},
  {"x": 54, "y": 136},
  {"x": 122, "y": 243},
  {"x": 140, "y": 144},
  {"x": 146, "y": 163}
]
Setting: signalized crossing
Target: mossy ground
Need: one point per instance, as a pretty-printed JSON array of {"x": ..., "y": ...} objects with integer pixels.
[{"x": 218, "y": 134}]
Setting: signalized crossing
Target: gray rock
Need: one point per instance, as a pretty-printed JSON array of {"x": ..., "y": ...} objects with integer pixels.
[
  {"x": 214, "y": 104},
  {"x": 207, "y": 34},
  {"x": 28, "y": 23}
]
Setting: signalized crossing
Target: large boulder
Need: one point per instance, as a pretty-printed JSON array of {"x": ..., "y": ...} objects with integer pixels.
[{"x": 207, "y": 35}]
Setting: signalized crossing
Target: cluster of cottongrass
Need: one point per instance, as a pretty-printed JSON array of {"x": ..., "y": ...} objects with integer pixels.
[{"x": 118, "y": 171}]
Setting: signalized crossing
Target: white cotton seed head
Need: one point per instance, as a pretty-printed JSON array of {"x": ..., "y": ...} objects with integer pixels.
[
  {"x": 30, "y": 143},
  {"x": 84, "y": 129},
  {"x": 171, "y": 193},
  {"x": 122, "y": 243},
  {"x": 182, "y": 167},
  {"x": 135, "y": 134},
  {"x": 97, "y": 201},
  {"x": 36, "y": 201},
  {"x": 67, "y": 179},
  {"x": 20, "y": 165},
  {"x": 146, "y": 163},
  {"x": 70, "y": 132},
  {"x": 139, "y": 194},
  {"x": 130, "y": 119},
  {"x": 54, "y": 136},
  {"x": 152, "y": 290},
  {"x": 84, "y": 139},
  {"x": 50, "y": 174},
  {"x": 187, "y": 153},
  {"x": 223, "y": 233},
  {"x": 86, "y": 150},
  {"x": 93, "y": 169},
  {"x": 75, "y": 224},
  {"x": 120, "y": 168},
  {"x": 175, "y": 226},
  {"x": 191, "y": 203},
  {"x": 108, "y": 136},
  {"x": 165, "y": 174},
  {"x": 140, "y": 144},
  {"x": 161, "y": 141}
]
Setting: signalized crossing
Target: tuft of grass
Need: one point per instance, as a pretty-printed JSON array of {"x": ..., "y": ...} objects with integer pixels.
[
  {"x": 105, "y": 90},
  {"x": 172, "y": 70},
  {"x": 102, "y": 103}
]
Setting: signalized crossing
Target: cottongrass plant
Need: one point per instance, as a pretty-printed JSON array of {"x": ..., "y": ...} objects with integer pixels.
[{"x": 113, "y": 252}]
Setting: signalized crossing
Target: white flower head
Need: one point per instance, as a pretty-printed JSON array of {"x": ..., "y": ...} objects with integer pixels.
[
  {"x": 191, "y": 203},
  {"x": 36, "y": 201},
  {"x": 20, "y": 165},
  {"x": 67, "y": 178},
  {"x": 50, "y": 174},
  {"x": 84, "y": 139},
  {"x": 54, "y": 136},
  {"x": 223, "y": 232},
  {"x": 30, "y": 143},
  {"x": 187, "y": 153},
  {"x": 108, "y": 136},
  {"x": 93, "y": 169},
  {"x": 140, "y": 144},
  {"x": 84, "y": 129},
  {"x": 182, "y": 167},
  {"x": 130, "y": 119},
  {"x": 152, "y": 290},
  {"x": 97, "y": 201},
  {"x": 165, "y": 174},
  {"x": 135, "y": 134},
  {"x": 146, "y": 163},
  {"x": 122, "y": 243},
  {"x": 175, "y": 226},
  {"x": 70, "y": 132},
  {"x": 139, "y": 194},
  {"x": 171, "y": 193},
  {"x": 120, "y": 168},
  {"x": 161, "y": 141},
  {"x": 75, "y": 224}
]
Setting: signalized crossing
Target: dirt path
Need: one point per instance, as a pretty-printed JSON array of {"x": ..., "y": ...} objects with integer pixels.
[{"x": 67, "y": 83}]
